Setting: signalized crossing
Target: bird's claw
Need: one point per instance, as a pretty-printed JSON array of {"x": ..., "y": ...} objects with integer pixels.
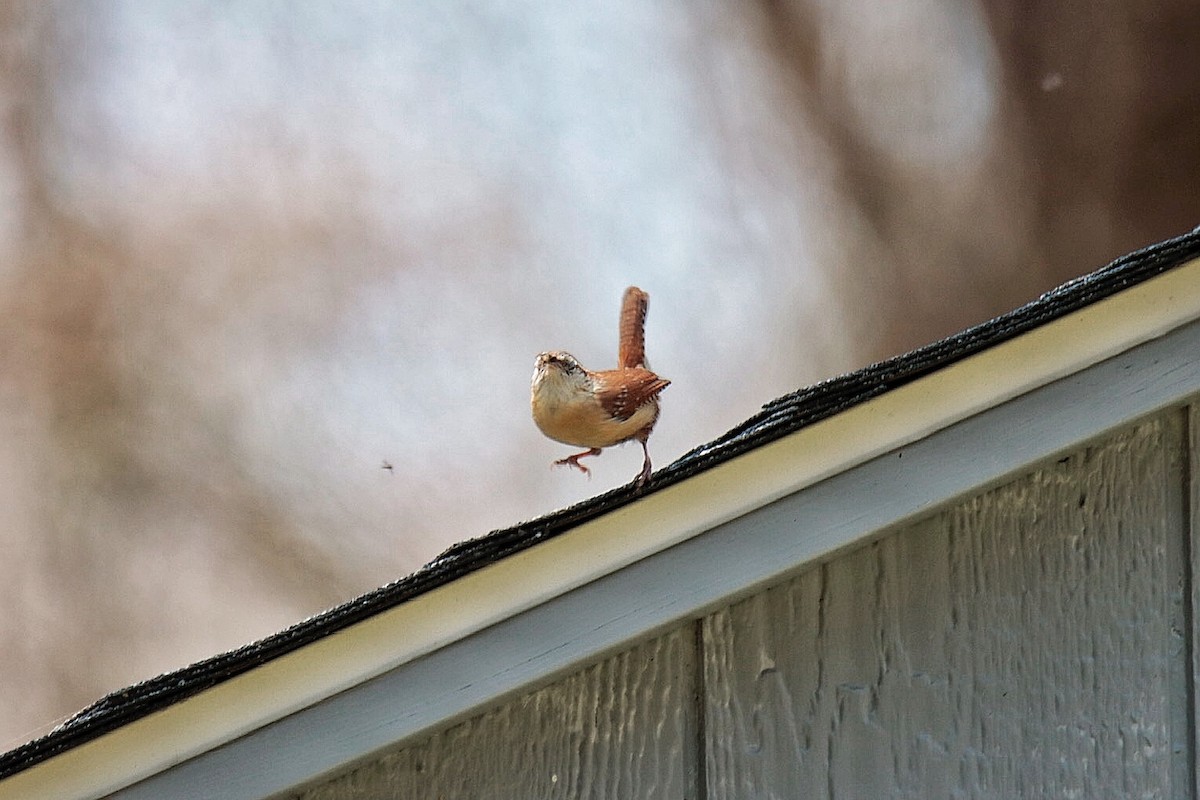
[{"x": 573, "y": 461}]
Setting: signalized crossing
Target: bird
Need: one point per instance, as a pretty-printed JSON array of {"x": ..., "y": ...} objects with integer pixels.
[{"x": 573, "y": 405}]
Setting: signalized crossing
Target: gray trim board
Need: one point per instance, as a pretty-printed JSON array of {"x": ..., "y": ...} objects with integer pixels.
[
  {"x": 1192, "y": 587},
  {"x": 1181, "y": 502},
  {"x": 710, "y": 570}
]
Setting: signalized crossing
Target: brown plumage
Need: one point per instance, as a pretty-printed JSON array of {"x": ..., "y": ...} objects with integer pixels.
[
  {"x": 631, "y": 351},
  {"x": 576, "y": 406}
]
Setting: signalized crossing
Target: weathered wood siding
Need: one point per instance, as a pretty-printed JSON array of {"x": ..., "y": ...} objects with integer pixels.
[
  {"x": 1032, "y": 640},
  {"x": 1026, "y": 642},
  {"x": 626, "y": 727}
]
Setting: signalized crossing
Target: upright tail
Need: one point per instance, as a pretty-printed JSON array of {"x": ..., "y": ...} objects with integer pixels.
[{"x": 632, "y": 349}]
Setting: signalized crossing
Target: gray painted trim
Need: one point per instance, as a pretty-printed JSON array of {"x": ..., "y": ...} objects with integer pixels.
[
  {"x": 1191, "y": 628},
  {"x": 684, "y": 581}
]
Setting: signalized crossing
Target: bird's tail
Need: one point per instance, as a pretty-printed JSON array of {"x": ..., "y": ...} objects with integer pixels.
[{"x": 632, "y": 350}]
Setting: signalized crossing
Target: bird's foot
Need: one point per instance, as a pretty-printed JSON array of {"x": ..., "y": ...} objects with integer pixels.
[
  {"x": 640, "y": 479},
  {"x": 573, "y": 461}
]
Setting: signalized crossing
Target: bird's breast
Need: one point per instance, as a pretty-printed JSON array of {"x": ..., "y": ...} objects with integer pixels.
[{"x": 580, "y": 419}]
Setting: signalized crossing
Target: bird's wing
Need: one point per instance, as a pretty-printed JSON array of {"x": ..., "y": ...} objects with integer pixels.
[{"x": 623, "y": 391}]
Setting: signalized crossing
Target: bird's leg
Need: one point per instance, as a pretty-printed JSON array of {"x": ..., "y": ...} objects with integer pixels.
[
  {"x": 644, "y": 475},
  {"x": 573, "y": 461}
]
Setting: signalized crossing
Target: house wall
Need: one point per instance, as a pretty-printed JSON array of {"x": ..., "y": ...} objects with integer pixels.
[{"x": 1035, "y": 639}]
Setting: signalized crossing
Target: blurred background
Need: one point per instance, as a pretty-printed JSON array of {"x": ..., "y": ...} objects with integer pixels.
[{"x": 251, "y": 251}]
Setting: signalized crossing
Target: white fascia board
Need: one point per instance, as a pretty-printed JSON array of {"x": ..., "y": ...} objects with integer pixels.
[{"x": 605, "y": 545}]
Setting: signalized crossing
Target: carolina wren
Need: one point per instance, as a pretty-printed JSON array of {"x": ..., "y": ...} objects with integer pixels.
[{"x": 589, "y": 409}]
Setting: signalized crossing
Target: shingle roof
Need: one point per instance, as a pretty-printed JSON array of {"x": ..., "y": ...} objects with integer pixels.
[{"x": 778, "y": 418}]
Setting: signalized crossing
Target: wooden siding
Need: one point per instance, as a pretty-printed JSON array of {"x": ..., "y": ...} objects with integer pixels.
[
  {"x": 1035, "y": 639},
  {"x": 1018, "y": 644},
  {"x": 626, "y": 727}
]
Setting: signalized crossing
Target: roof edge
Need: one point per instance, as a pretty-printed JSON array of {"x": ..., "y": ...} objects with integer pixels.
[{"x": 761, "y": 460}]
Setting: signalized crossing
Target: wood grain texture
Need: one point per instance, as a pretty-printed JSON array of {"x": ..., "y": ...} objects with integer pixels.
[
  {"x": 625, "y": 727},
  {"x": 1025, "y": 642}
]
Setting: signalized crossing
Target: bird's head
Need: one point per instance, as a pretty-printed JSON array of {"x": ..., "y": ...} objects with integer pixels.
[{"x": 558, "y": 368}]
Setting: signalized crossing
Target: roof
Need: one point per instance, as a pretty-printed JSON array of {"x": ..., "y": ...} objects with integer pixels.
[{"x": 779, "y": 419}]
